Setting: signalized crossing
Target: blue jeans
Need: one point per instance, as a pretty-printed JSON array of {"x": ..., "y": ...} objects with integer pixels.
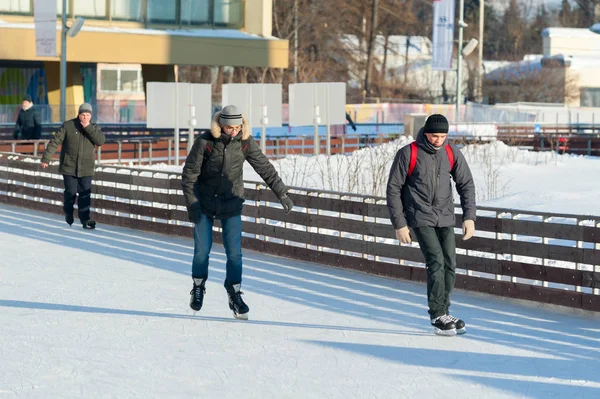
[{"x": 232, "y": 241}]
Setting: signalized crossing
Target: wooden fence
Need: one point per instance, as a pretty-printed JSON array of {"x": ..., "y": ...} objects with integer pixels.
[{"x": 542, "y": 257}]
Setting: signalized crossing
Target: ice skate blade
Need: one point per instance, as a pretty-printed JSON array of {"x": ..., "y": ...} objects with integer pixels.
[
  {"x": 461, "y": 331},
  {"x": 241, "y": 316},
  {"x": 444, "y": 333}
]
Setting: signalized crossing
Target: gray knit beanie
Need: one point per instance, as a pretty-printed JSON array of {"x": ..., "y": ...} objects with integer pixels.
[
  {"x": 85, "y": 107},
  {"x": 231, "y": 116}
]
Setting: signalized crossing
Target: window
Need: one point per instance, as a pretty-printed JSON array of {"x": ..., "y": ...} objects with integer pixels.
[
  {"x": 195, "y": 12},
  {"x": 109, "y": 80},
  {"x": 16, "y": 6},
  {"x": 227, "y": 12},
  {"x": 590, "y": 97},
  {"x": 90, "y": 9},
  {"x": 126, "y": 80},
  {"x": 162, "y": 11},
  {"x": 129, "y": 81},
  {"x": 126, "y": 10}
]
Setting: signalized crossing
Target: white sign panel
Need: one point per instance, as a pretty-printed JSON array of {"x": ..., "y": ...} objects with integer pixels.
[
  {"x": 250, "y": 99},
  {"x": 443, "y": 35},
  {"x": 170, "y": 105},
  {"x": 325, "y": 100},
  {"x": 44, "y": 15}
]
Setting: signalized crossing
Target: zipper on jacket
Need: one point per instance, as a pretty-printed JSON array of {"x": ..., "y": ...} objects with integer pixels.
[{"x": 436, "y": 178}]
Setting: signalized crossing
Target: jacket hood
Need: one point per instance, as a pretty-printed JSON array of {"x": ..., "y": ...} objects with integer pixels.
[
  {"x": 425, "y": 144},
  {"x": 215, "y": 127}
]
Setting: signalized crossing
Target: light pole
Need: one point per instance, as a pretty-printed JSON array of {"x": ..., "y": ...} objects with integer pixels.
[
  {"x": 461, "y": 25},
  {"x": 480, "y": 50},
  {"x": 71, "y": 31},
  {"x": 462, "y": 52},
  {"x": 295, "y": 41},
  {"x": 63, "y": 63}
]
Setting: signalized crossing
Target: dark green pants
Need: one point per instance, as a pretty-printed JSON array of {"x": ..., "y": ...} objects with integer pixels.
[{"x": 438, "y": 245}]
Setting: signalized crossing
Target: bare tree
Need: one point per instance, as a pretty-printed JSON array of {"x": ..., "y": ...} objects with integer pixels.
[{"x": 552, "y": 84}]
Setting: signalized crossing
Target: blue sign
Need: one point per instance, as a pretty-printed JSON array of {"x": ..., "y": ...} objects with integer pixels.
[{"x": 537, "y": 128}]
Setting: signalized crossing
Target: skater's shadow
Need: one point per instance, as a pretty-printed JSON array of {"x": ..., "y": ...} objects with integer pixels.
[
  {"x": 532, "y": 375},
  {"x": 141, "y": 313},
  {"x": 304, "y": 283},
  {"x": 346, "y": 292}
]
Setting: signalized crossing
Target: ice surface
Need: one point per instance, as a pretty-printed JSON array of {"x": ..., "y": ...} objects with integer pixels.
[{"x": 105, "y": 313}]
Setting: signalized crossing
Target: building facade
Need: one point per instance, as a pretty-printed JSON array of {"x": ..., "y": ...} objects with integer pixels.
[{"x": 135, "y": 41}]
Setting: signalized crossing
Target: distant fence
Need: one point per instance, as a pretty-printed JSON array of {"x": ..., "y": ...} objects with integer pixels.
[
  {"x": 141, "y": 151},
  {"x": 548, "y": 258}
]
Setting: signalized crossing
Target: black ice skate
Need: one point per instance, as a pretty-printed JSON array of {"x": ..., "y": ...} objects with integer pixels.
[
  {"x": 69, "y": 218},
  {"x": 197, "y": 294},
  {"x": 236, "y": 303},
  {"x": 443, "y": 325},
  {"x": 89, "y": 224},
  {"x": 461, "y": 327}
]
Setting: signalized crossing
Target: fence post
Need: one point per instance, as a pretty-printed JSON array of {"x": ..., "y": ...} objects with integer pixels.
[
  {"x": 287, "y": 143},
  {"x": 140, "y": 145},
  {"x": 589, "y": 149},
  {"x": 578, "y": 266},
  {"x": 545, "y": 262},
  {"x": 13, "y": 147},
  {"x": 119, "y": 150},
  {"x": 513, "y": 237},
  {"x": 35, "y": 148},
  {"x": 150, "y": 154},
  {"x": 170, "y": 145},
  {"x": 343, "y": 144},
  {"x": 596, "y": 268},
  {"x": 99, "y": 154}
]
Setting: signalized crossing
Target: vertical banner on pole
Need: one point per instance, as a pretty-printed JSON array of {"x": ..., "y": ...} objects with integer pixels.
[
  {"x": 443, "y": 35},
  {"x": 44, "y": 17}
]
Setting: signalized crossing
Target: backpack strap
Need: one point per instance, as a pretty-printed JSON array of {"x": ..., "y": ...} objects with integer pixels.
[
  {"x": 450, "y": 156},
  {"x": 414, "y": 149},
  {"x": 413, "y": 157}
]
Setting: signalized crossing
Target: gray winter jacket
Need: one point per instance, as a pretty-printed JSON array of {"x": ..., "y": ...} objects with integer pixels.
[{"x": 425, "y": 197}]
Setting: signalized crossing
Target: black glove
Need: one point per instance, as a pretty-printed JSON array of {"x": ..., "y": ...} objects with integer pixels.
[
  {"x": 287, "y": 203},
  {"x": 194, "y": 212}
]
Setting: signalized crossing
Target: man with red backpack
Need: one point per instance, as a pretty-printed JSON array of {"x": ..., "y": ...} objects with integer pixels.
[{"x": 419, "y": 196}]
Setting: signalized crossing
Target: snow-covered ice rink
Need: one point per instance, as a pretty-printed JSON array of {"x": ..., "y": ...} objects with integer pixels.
[{"x": 104, "y": 313}]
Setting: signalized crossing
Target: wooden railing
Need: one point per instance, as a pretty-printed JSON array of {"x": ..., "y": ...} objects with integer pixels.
[{"x": 549, "y": 258}]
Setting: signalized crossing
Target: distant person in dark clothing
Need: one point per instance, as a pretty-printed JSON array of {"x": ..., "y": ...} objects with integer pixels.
[
  {"x": 78, "y": 138},
  {"x": 28, "y": 124},
  {"x": 349, "y": 119}
]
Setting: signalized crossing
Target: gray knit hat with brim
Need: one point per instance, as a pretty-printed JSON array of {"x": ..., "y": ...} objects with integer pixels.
[
  {"x": 85, "y": 107},
  {"x": 231, "y": 116}
]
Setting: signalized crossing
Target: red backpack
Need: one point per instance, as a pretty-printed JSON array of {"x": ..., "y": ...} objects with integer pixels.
[{"x": 414, "y": 149}]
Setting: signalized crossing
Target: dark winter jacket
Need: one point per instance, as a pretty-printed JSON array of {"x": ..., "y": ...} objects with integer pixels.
[
  {"x": 28, "y": 125},
  {"x": 425, "y": 197},
  {"x": 213, "y": 179},
  {"x": 77, "y": 155}
]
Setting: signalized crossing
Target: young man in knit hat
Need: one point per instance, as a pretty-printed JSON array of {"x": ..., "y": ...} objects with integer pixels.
[
  {"x": 213, "y": 187},
  {"x": 28, "y": 125},
  {"x": 419, "y": 196},
  {"x": 79, "y": 138}
]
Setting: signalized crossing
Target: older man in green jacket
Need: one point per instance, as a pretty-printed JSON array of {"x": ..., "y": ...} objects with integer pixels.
[{"x": 79, "y": 138}]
